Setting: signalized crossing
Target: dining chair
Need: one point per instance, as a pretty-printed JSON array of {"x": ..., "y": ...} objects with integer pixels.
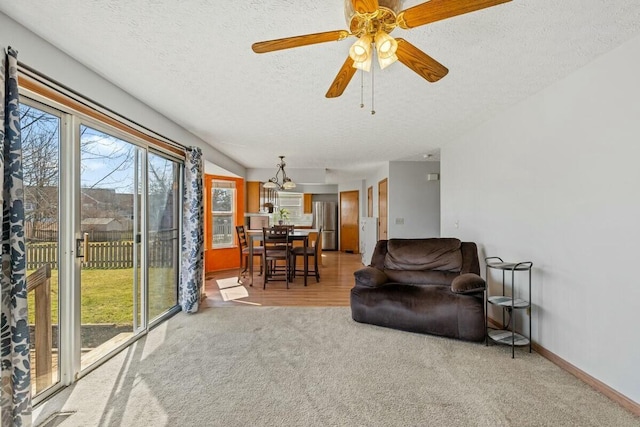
[
  {"x": 312, "y": 249},
  {"x": 243, "y": 245},
  {"x": 276, "y": 245}
]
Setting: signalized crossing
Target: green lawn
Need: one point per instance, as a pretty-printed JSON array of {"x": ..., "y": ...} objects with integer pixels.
[{"x": 107, "y": 295}]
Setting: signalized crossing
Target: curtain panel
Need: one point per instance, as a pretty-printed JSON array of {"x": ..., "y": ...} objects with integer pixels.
[
  {"x": 15, "y": 397},
  {"x": 192, "y": 264}
]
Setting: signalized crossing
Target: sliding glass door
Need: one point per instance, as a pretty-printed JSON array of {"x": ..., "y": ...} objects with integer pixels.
[
  {"x": 41, "y": 130},
  {"x": 102, "y": 228},
  {"x": 164, "y": 233},
  {"x": 110, "y": 206}
]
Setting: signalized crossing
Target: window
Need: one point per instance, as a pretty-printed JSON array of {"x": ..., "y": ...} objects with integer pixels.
[
  {"x": 223, "y": 202},
  {"x": 293, "y": 203}
]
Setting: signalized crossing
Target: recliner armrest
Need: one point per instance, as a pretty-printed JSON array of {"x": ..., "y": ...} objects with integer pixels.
[
  {"x": 468, "y": 283},
  {"x": 370, "y": 277}
]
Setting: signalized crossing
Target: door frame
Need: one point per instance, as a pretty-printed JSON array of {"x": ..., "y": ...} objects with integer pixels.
[{"x": 384, "y": 181}]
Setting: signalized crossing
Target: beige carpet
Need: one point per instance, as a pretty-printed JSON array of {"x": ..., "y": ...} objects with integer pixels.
[{"x": 281, "y": 366}]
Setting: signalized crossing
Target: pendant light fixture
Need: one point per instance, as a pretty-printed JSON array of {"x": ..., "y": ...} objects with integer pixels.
[{"x": 280, "y": 182}]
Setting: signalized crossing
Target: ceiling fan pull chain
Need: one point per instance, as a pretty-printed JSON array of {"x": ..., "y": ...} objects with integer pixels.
[
  {"x": 361, "y": 88},
  {"x": 373, "y": 111}
]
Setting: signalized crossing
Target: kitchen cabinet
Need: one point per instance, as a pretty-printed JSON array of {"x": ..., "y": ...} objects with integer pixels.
[
  {"x": 253, "y": 196},
  {"x": 308, "y": 204},
  {"x": 258, "y": 196}
]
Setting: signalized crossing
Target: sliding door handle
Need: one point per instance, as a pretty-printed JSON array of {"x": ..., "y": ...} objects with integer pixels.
[{"x": 82, "y": 247}]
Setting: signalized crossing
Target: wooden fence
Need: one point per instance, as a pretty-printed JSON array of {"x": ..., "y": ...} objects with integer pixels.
[
  {"x": 42, "y": 234},
  {"x": 107, "y": 255},
  {"x": 41, "y": 254}
]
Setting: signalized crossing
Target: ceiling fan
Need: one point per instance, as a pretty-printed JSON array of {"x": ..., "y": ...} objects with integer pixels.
[{"x": 371, "y": 21}]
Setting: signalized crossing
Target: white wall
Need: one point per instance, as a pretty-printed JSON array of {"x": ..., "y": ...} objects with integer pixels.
[
  {"x": 47, "y": 59},
  {"x": 414, "y": 202},
  {"x": 556, "y": 180}
]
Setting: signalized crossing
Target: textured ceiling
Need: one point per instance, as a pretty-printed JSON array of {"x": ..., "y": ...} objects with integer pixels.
[{"x": 191, "y": 60}]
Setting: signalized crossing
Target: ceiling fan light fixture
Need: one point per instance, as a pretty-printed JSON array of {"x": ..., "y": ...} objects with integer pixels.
[
  {"x": 385, "y": 62},
  {"x": 386, "y": 46},
  {"x": 360, "y": 51},
  {"x": 363, "y": 65}
]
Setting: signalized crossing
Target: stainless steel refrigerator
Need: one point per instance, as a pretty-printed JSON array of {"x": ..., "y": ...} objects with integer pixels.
[{"x": 325, "y": 214}]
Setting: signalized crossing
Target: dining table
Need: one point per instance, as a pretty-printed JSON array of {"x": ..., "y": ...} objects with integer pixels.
[{"x": 299, "y": 234}]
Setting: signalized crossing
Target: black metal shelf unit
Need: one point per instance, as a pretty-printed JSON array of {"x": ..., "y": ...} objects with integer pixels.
[{"x": 509, "y": 302}]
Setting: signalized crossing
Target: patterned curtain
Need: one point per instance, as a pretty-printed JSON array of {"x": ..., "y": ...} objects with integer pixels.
[
  {"x": 192, "y": 267},
  {"x": 15, "y": 396}
]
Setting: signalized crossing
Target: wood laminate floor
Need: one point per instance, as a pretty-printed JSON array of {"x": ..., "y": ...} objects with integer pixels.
[{"x": 336, "y": 281}]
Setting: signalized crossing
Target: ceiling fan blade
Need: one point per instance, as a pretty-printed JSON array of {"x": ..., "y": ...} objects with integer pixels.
[
  {"x": 436, "y": 10},
  {"x": 342, "y": 79},
  {"x": 296, "y": 41},
  {"x": 424, "y": 65},
  {"x": 365, "y": 6}
]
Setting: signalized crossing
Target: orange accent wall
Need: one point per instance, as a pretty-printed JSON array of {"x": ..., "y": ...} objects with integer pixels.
[{"x": 228, "y": 258}]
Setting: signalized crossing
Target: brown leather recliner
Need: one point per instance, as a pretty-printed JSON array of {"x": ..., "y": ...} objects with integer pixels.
[{"x": 430, "y": 286}]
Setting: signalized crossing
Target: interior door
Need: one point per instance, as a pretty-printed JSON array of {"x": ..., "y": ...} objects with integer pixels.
[
  {"x": 382, "y": 210},
  {"x": 349, "y": 218}
]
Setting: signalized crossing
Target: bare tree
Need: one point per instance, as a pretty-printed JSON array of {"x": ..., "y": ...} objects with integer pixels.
[
  {"x": 40, "y": 146},
  {"x": 162, "y": 192},
  {"x": 108, "y": 166}
]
